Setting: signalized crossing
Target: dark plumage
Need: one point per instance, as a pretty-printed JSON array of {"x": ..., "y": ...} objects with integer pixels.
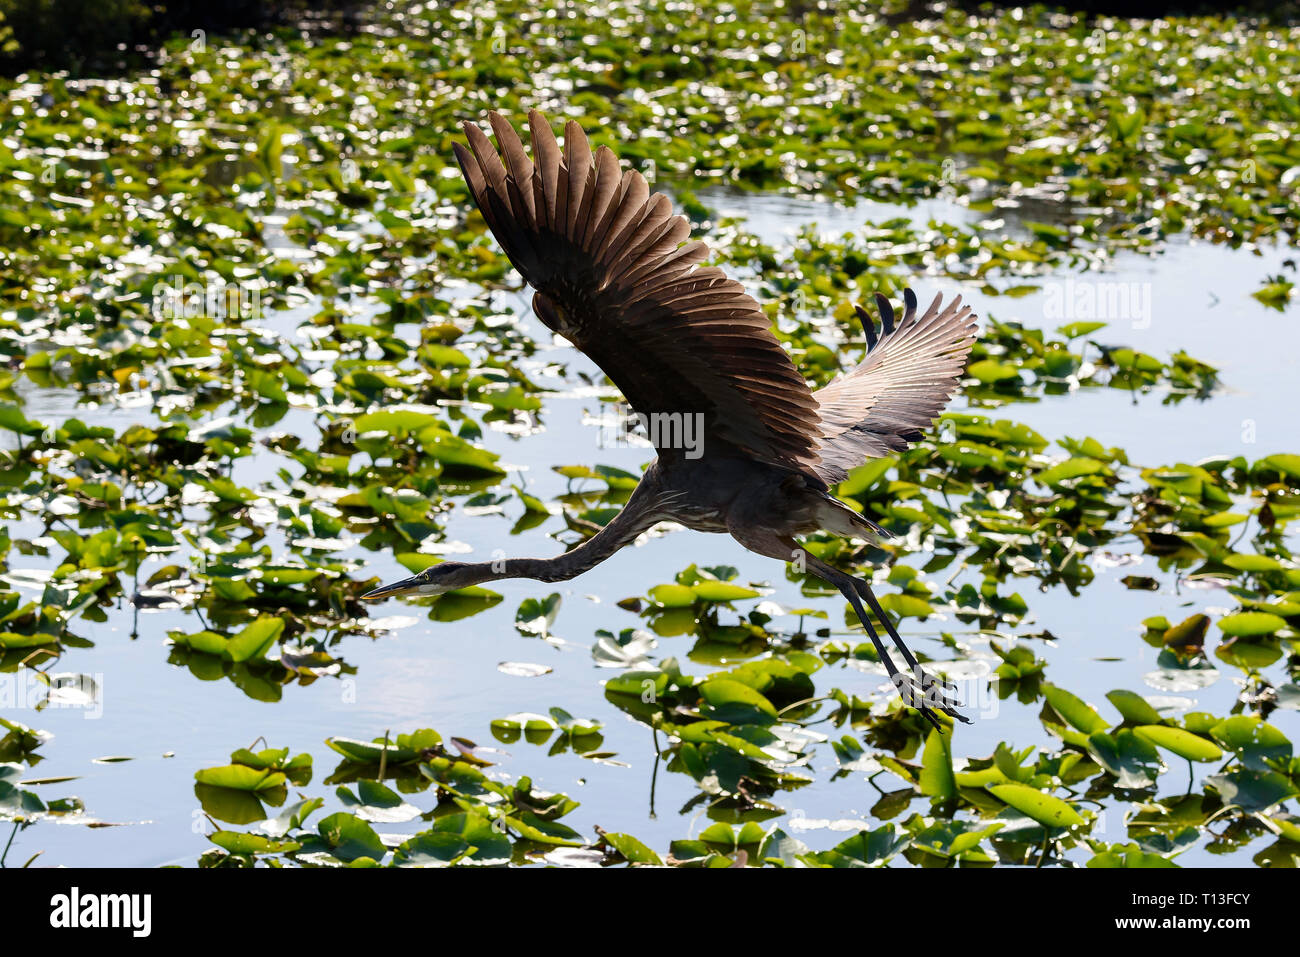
[
  {"x": 616, "y": 274},
  {"x": 613, "y": 277}
]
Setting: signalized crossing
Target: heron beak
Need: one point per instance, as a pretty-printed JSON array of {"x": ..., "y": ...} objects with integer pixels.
[{"x": 406, "y": 586}]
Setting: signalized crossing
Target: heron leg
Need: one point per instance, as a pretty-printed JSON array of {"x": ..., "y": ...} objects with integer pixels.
[
  {"x": 931, "y": 686},
  {"x": 917, "y": 689},
  {"x": 865, "y": 591},
  {"x": 848, "y": 589},
  {"x": 906, "y": 684}
]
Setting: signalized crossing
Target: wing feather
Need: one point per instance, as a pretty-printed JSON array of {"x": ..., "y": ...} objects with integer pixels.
[
  {"x": 910, "y": 373},
  {"x": 615, "y": 272}
]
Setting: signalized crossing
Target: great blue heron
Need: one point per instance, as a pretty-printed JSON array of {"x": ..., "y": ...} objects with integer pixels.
[{"x": 615, "y": 275}]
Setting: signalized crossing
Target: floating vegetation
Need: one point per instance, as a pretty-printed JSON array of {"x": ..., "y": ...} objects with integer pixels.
[{"x": 255, "y": 342}]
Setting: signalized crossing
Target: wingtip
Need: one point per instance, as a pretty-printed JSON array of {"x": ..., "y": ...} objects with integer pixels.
[
  {"x": 478, "y": 140},
  {"x": 501, "y": 126},
  {"x": 886, "y": 314},
  {"x": 575, "y": 137},
  {"x": 538, "y": 123},
  {"x": 869, "y": 324},
  {"x": 466, "y": 161},
  {"x": 467, "y": 125}
]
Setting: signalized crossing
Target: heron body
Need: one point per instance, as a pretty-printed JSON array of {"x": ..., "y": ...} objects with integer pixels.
[{"x": 615, "y": 272}]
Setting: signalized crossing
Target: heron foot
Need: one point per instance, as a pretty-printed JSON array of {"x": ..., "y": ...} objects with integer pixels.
[{"x": 928, "y": 694}]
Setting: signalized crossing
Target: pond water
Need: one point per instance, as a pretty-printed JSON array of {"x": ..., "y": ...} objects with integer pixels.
[{"x": 425, "y": 673}]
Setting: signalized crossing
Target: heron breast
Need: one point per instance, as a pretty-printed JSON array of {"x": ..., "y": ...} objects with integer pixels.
[{"x": 698, "y": 519}]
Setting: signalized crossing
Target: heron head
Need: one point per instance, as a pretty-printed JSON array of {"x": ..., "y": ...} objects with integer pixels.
[{"x": 434, "y": 580}]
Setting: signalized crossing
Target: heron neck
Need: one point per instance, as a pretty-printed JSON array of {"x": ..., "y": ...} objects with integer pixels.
[
  {"x": 642, "y": 510},
  {"x": 621, "y": 531}
]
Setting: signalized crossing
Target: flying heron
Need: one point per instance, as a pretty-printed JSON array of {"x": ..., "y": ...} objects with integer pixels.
[{"x": 615, "y": 273}]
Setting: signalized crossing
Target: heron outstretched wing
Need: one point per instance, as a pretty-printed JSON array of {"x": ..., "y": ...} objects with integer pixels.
[
  {"x": 908, "y": 376},
  {"x": 615, "y": 274}
]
